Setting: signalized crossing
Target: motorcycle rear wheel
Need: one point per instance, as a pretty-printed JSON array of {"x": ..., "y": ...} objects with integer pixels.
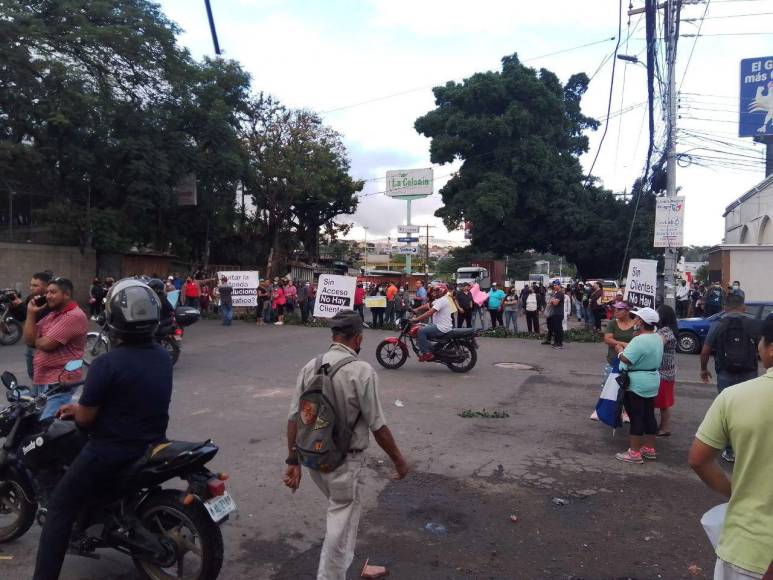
[
  {"x": 471, "y": 357},
  {"x": 171, "y": 346},
  {"x": 391, "y": 355},
  {"x": 10, "y": 332},
  {"x": 17, "y": 513},
  {"x": 191, "y": 530},
  {"x": 95, "y": 346}
]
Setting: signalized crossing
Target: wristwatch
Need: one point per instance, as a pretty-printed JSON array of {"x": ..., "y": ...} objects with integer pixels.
[{"x": 292, "y": 461}]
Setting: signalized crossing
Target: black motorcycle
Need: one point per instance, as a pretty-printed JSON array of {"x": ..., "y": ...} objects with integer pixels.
[
  {"x": 10, "y": 328},
  {"x": 457, "y": 348},
  {"x": 168, "y": 533},
  {"x": 169, "y": 336}
]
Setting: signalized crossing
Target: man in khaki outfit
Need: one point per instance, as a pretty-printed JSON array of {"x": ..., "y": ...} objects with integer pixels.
[{"x": 356, "y": 402}]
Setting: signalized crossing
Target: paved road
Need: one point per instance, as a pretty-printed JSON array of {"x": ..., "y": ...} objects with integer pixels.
[{"x": 234, "y": 385}]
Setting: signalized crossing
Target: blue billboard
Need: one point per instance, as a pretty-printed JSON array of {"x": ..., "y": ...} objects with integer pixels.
[{"x": 756, "y": 109}]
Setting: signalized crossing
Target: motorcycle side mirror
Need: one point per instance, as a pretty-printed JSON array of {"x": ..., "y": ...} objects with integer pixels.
[
  {"x": 73, "y": 365},
  {"x": 9, "y": 380}
]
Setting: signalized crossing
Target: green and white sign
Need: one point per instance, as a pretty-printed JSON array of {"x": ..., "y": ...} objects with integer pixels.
[{"x": 409, "y": 183}]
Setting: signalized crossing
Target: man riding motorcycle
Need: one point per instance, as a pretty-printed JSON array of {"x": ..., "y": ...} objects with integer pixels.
[
  {"x": 124, "y": 408},
  {"x": 440, "y": 309},
  {"x": 167, "y": 311}
]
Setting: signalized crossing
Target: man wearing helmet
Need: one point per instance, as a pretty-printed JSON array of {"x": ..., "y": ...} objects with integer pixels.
[
  {"x": 124, "y": 408},
  {"x": 440, "y": 311}
]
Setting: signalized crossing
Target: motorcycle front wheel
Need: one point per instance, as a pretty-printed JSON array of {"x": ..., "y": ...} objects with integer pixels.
[
  {"x": 469, "y": 358},
  {"x": 171, "y": 346},
  {"x": 196, "y": 540},
  {"x": 391, "y": 355},
  {"x": 17, "y": 513},
  {"x": 96, "y": 344},
  {"x": 10, "y": 332}
]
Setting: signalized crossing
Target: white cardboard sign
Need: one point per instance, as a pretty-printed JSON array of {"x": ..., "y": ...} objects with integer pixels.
[
  {"x": 642, "y": 283},
  {"x": 334, "y": 293},
  {"x": 669, "y": 222},
  {"x": 245, "y": 287}
]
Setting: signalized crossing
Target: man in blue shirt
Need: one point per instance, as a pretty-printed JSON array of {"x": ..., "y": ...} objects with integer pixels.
[
  {"x": 495, "y": 299},
  {"x": 124, "y": 407}
]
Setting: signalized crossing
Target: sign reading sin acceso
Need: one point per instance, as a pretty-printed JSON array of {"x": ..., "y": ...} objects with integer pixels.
[
  {"x": 409, "y": 183},
  {"x": 756, "y": 108}
]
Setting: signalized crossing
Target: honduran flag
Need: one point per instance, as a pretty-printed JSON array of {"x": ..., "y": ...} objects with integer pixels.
[{"x": 609, "y": 406}]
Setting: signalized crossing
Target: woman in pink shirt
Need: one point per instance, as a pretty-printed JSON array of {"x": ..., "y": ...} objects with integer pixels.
[
  {"x": 279, "y": 304},
  {"x": 291, "y": 296}
]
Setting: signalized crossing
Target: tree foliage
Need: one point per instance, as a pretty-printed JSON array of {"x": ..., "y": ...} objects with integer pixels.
[
  {"x": 102, "y": 113},
  {"x": 519, "y": 134}
]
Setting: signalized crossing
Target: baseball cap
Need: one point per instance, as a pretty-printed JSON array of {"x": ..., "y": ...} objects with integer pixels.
[
  {"x": 648, "y": 315},
  {"x": 556, "y": 282},
  {"x": 346, "y": 321}
]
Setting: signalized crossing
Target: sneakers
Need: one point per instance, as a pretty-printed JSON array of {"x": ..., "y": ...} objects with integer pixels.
[
  {"x": 728, "y": 456},
  {"x": 426, "y": 357},
  {"x": 547, "y": 343},
  {"x": 630, "y": 456},
  {"x": 558, "y": 346},
  {"x": 280, "y": 323},
  {"x": 648, "y": 453}
]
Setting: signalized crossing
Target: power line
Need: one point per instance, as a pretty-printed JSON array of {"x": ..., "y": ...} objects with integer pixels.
[
  {"x": 425, "y": 87},
  {"x": 704, "y": 17},
  {"x": 611, "y": 90},
  {"x": 692, "y": 50}
]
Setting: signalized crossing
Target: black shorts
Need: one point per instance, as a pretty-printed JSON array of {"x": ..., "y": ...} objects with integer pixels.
[{"x": 280, "y": 309}]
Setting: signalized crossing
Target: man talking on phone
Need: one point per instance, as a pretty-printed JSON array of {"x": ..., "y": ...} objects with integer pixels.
[
  {"x": 58, "y": 338},
  {"x": 38, "y": 285}
]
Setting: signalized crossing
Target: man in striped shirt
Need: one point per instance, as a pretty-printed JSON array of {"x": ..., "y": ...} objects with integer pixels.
[{"x": 59, "y": 337}]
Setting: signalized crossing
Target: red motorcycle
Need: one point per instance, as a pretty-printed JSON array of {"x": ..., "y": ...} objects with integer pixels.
[{"x": 457, "y": 348}]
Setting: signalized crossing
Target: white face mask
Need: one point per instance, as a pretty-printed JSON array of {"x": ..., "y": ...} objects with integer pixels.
[{"x": 736, "y": 286}]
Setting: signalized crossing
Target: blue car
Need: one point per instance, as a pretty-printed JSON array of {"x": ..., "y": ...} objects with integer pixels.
[{"x": 693, "y": 331}]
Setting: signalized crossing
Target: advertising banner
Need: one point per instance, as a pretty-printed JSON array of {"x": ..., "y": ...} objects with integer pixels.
[
  {"x": 756, "y": 107},
  {"x": 245, "y": 287},
  {"x": 375, "y": 301},
  {"x": 334, "y": 293},
  {"x": 669, "y": 222},
  {"x": 642, "y": 283},
  {"x": 409, "y": 183}
]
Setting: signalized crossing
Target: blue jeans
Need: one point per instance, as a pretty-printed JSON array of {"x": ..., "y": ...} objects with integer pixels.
[
  {"x": 426, "y": 334},
  {"x": 53, "y": 403},
  {"x": 478, "y": 313},
  {"x": 580, "y": 311},
  {"x": 228, "y": 314},
  {"x": 511, "y": 315}
]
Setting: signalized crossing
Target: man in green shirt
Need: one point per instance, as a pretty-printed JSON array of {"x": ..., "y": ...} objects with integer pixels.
[{"x": 741, "y": 416}]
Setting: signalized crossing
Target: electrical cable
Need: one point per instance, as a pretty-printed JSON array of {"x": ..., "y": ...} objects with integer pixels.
[
  {"x": 425, "y": 87},
  {"x": 692, "y": 50},
  {"x": 611, "y": 91}
]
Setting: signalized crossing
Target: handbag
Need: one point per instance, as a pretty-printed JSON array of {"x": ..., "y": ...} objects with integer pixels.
[{"x": 623, "y": 380}]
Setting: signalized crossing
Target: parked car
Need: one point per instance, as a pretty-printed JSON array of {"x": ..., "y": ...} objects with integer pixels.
[{"x": 693, "y": 331}]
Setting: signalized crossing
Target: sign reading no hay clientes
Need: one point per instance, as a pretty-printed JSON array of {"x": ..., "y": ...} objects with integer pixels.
[
  {"x": 409, "y": 183},
  {"x": 245, "y": 287},
  {"x": 641, "y": 283},
  {"x": 334, "y": 293}
]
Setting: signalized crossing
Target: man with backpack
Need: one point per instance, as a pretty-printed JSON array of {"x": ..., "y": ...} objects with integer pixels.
[
  {"x": 335, "y": 405},
  {"x": 733, "y": 342}
]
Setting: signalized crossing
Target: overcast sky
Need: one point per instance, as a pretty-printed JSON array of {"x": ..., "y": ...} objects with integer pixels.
[{"x": 369, "y": 65}]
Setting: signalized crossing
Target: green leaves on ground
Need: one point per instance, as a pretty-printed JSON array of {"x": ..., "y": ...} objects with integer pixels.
[{"x": 483, "y": 414}]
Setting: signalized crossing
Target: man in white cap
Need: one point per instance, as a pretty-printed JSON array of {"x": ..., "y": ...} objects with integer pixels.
[{"x": 640, "y": 360}]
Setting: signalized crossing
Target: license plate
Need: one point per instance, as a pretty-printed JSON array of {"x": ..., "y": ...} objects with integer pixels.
[{"x": 220, "y": 506}]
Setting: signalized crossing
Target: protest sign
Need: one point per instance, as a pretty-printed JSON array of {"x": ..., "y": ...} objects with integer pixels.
[
  {"x": 669, "y": 222},
  {"x": 375, "y": 302},
  {"x": 334, "y": 293},
  {"x": 642, "y": 283},
  {"x": 245, "y": 287}
]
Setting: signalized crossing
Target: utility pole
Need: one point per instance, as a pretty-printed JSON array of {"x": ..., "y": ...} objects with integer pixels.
[
  {"x": 426, "y": 257},
  {"x": 365, "y": 229},
  {"x": 671, "y": 16}
]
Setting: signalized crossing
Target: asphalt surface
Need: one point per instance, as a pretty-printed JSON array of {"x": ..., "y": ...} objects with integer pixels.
[{"x": 452, "y": 517}]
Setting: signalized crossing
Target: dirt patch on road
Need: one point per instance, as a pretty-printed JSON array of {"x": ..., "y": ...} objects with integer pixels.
[{"x": 605, "y": 525}]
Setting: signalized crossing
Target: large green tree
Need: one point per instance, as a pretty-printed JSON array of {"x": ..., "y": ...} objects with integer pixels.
[{"x": 519, "y": 133}]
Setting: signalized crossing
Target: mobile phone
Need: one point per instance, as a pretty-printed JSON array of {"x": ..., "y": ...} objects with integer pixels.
[{"x": 40, "y": 300}]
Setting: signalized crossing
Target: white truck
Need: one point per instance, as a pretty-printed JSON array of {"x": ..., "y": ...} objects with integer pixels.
[{"x": 474, "y": 275}]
